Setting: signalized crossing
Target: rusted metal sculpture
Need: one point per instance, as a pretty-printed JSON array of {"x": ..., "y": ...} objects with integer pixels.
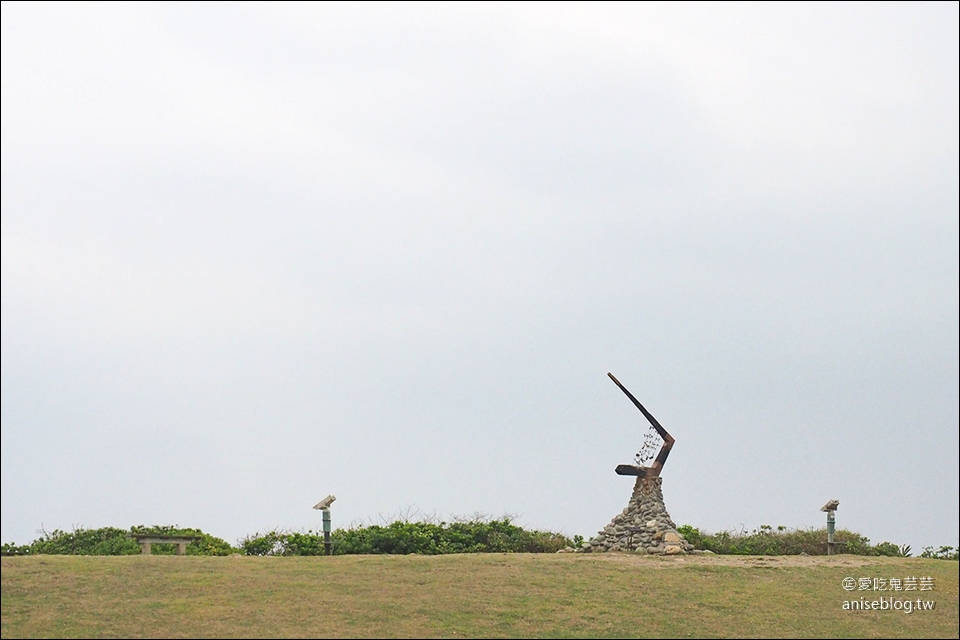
[{"x": 654, "y": 469}]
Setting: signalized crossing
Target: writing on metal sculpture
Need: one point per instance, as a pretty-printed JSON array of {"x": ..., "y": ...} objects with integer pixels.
[{"x": 649, "y": 444}]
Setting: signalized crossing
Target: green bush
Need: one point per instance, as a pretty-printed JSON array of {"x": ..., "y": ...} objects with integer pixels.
[
  {"x": 943, "y": 553},
  {"x": 105, "y": 541},
  {"x": 478, "y": 535},
  {"x": 110, "y": 541},
  {"x": 12, "y": 549},
  {"x": 767, "y": 541},
  {"x": 266, "y": 544},
  {"x": 276, "y": 543}
]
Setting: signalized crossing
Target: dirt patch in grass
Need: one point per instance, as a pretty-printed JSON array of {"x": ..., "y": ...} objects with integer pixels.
[{"x": 746, "y": 561}]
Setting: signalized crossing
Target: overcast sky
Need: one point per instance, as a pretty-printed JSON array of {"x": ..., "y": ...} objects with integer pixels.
[{"x": 255, "y": 254}]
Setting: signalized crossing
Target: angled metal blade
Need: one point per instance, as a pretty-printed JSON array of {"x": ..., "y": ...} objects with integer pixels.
[{"x": 649, "y": 416}]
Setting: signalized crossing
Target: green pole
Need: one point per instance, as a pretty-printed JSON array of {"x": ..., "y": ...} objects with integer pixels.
[
  {"x": 831, "y": 526},
  {"x": 326, "y": 532}
]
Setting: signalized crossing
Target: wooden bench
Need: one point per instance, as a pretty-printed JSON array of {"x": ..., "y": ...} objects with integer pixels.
[{"x": 146, "y": 539}]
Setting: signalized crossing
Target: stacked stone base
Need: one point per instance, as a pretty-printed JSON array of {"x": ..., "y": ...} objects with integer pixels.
[{"x": 644, "y": 526}]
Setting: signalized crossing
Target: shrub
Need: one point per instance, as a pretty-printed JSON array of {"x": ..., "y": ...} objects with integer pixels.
[
  {"x": 110, "y": 541},
  {"x": 11, "y": 549},
  {"x": 105, "y": 541},
  {"x": 943, "y": 553},
  {"x": 768, "y": 541},
  {"x": 266, "y": 544},
  {"x": 477, "y": 535}
]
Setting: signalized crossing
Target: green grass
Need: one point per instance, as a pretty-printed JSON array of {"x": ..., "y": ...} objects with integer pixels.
[{"x": 465, "y": 595}]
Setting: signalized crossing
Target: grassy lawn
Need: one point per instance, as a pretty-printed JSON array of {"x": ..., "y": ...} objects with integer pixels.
[{"x": 467, "y": 595}]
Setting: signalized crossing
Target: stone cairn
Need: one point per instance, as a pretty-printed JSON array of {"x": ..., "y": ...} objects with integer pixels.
[{"x": 643, "y": 527}]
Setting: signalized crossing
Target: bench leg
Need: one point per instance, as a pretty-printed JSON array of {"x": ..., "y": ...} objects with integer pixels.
[
  {"x": 181, "y": 548},
  {"x": 145, "y": 548}
]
